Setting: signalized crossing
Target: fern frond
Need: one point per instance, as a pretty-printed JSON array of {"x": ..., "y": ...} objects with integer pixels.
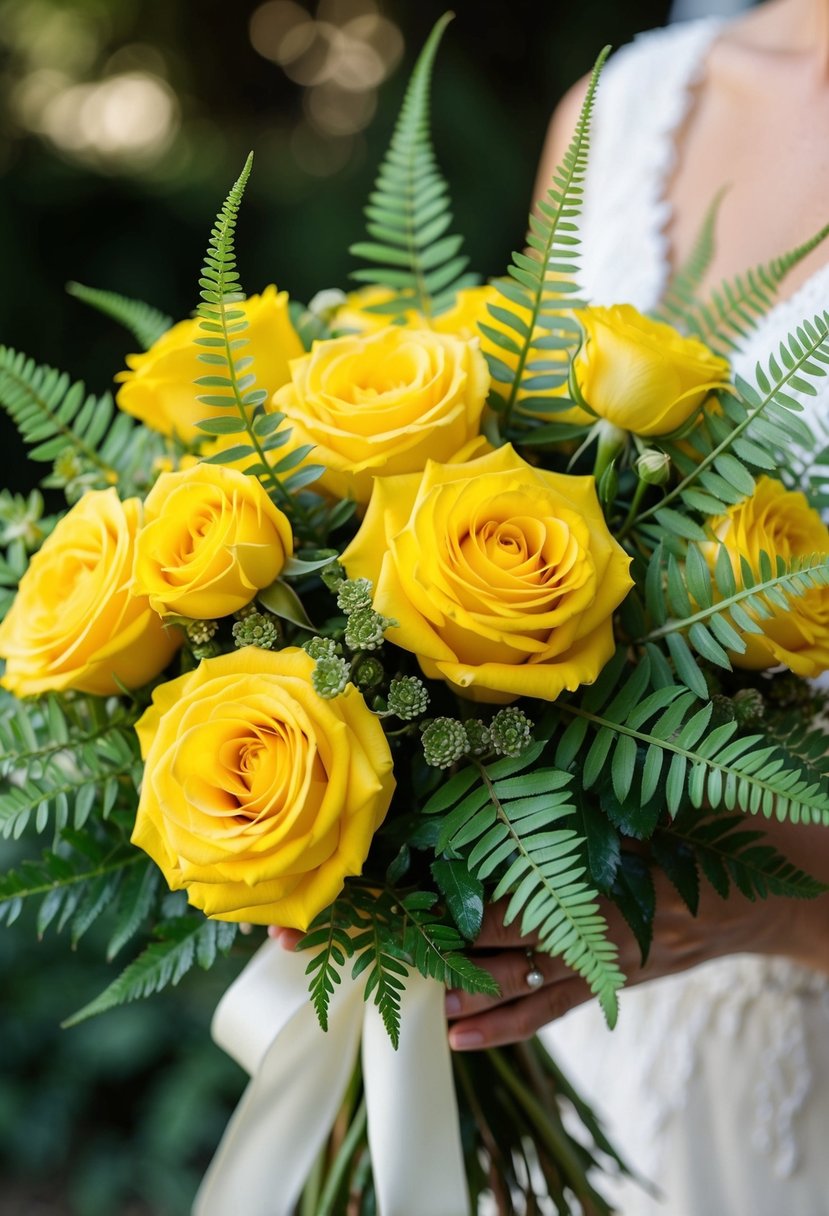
[
  {"x": 408, "y": 214},
  {"x": 729, "y": 852},
  {"x": 232, "y": 383},
  {"x": 59, "y": 759},
  {"x": 436, "y": 949},
  {"x": 135, "y": 902},
  {"x": 714, "y": 611},
  {"x": 328, "y": 934},
  {"x": 737, "y": 306},
  {"x": 181, "y": 944},
  {"x": 380, "y": 956},
  {"x": 74, "y": 885},
  {"x": 143, "y": 321},
  {"x": 57, "y": 416},
  {"x": 540, "y": 282},
  {"x": 756, "y": 427},
  {"x": 659, "y": 749},
  {"x": 503, "y": 828},
  {"x": 681, "y": 293}
]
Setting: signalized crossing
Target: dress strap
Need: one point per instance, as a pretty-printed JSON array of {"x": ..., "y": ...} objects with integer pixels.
[{"x": 642, "y": 100}]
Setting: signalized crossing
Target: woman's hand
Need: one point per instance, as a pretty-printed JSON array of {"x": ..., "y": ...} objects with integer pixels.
[{"x": 680, "y": 940}]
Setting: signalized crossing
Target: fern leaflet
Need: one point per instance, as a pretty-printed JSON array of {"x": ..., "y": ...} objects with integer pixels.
[
  {"x": 736, "y": 307},
  {"x": 540, "y": 280},
  {"x": 408, "y": 212},
  {"x": 501, "y": 825},
  {"x": 146, "y": 323},
  {"x": 222, "y": 328},
  {"x": 713, "y": 610},
  {"x": 756, "y": 426},
  {"x": 682, "y": 289},
  {"x": 729, "y": 852},
  {"x": 659, "y": 750},
  {"x": 181, "y": 944}
]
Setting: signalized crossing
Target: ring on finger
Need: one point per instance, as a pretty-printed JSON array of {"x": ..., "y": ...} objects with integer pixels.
[{"x": 534, "y": 977}]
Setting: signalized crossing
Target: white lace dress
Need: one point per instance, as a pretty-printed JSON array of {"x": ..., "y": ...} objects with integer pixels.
[{"x": 716, "y": 1082}]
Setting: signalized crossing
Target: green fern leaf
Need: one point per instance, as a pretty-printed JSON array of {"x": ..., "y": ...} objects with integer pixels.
[
  {"x": 721, "y": 624},
  {"x": 737, "y": 306},
  {"x": 181, "y": 944},
  {"x": 728, "y": 852},
  {"x": 682, "y": 290},
  {"x": 56, "y": 416},
  {"x": 541, "y": 281},
  {"x": 683, "y": 760},
  {"x": 222, "y": 329},
  {"x": 329, "y": 935},
  {"x": 408, "y": 215},
  {"x": 146, "y": 323},
  {"x": 758, "y": 425},
  {"x": 69, "y": 884},
  {"x": 507, "y": 836}
]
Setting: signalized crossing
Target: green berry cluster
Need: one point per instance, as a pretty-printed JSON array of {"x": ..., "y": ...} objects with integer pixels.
[
  {"x": 199, "y": 633},
  {"x": 321, "y": 648},
  {"x": 365, "y": 629},
  {"x": 444, "y": 742},
  {"x": 330, "y": 676},
  {"x": 257, "y": 629},
  {"x": 408, "y": 697},
  {"x": 511, "y": 732},
  {"x": 354, "y": 594}
]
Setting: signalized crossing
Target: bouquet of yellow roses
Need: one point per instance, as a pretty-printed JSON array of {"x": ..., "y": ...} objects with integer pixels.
[{"x": 365, "y": 615}]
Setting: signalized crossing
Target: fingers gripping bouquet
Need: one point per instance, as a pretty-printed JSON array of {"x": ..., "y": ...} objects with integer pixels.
[{"x": 444, "y": 595}]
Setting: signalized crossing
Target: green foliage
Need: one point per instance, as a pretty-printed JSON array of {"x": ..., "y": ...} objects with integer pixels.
[
  {"x": 540, "y": 285},
  {"x": 727, "y": 852},
  {"x": 146, "y": 323},
  {"x": 232, "y": 383},
  {"x": 62, "y": 757},
  {"x": 408, "y": 212},
  {"x": 499, "y": 818},
  {"x": 736, "y": 307},
  {"x": 682, "y": 290},
  {"x": 754, "y": 431},
  {"x": 75, "y": 882},
  {"x": 693, "y": 608},
  {"x": 366, "y": 925},
  {"x": 182, "y": 942},
  {"x": 661, "y": 752},
  {"x": 93, "y": 446}
]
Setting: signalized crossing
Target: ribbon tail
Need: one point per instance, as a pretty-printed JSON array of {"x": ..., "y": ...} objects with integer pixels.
[
  {"x": 299, "y": 1078},
  {"x": 413, "y": 1127}
]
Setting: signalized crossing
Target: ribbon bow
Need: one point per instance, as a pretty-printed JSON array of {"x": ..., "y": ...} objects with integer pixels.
[{"x": 299, "y": 1076}]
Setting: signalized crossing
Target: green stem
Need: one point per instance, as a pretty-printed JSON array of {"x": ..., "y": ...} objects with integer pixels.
[
  {"x": 341, "y": 1162},
  {"x": 630, "y": 518},
  {"x": 554, "y": 1137}
]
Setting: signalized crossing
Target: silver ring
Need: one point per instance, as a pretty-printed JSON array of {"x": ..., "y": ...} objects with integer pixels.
[{"x": 534, "y": 978}]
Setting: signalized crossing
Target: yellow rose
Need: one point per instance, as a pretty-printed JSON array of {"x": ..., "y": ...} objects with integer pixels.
[
  {"x": 75, "y": 622},
  {"x": 160, "y": 386},
  {"x": 461, "y": 319},
  {"x": 503, "y": 577},
  {"x": 211, "y": 539},
  {"x": 641, "y": 375},
  {"x": 259, "y": 797},
  {"x": 384, "y": 403},
  {"x": 781, "y": 523}
]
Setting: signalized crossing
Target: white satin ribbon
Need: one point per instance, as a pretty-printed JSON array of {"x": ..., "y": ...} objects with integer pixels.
[{"x": 300, "y": 1074}]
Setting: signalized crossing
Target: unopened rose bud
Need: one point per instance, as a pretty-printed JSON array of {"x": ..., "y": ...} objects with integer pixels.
[{"x": 653, "y": 467}]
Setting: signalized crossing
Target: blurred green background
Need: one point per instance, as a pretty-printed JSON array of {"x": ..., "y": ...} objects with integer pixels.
[{"x": 122, "y": 125}]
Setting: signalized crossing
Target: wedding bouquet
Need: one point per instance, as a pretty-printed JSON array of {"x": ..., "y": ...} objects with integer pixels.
[{"x": 366, "y": 615}]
